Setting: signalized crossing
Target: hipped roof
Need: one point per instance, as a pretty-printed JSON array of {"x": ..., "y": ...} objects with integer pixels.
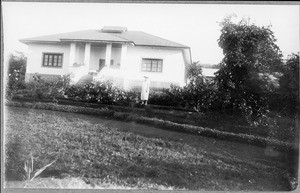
[{"x": 138, "y": 38}]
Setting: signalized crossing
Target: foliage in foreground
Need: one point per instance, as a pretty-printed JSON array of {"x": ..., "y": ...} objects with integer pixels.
[
  {"x": 106, "y": 155},
  {"x": 81, "y": 183}
]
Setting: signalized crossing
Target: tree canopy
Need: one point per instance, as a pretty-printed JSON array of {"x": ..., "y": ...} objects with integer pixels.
[{"x": 250, "y": 51}]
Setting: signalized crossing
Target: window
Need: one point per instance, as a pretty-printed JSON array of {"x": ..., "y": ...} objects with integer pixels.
[
  {"x": 152, "y": 65},
  {"x": 111, "y": 65},
  {"x": 52, "y": 60},
  {"x": 114, "y": 65}
]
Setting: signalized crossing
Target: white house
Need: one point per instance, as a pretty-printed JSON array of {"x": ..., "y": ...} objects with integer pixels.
[{"x": 111, "y": 53}]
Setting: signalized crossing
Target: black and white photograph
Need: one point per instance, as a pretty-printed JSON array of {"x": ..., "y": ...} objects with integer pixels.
[{"x": 148, "y": 95}]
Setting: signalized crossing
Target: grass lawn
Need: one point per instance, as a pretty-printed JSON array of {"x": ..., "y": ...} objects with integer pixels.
[{"x": 128, "y": 155}]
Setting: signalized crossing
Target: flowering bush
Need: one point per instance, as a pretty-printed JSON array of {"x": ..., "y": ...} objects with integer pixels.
[
  {"x": 98, "y": 92},
  {"x": 48, "y": 89},
  {"x": 132, "y": 97}
]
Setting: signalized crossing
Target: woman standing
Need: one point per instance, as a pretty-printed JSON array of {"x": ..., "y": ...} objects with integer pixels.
[{"x": 145, "y": 90}]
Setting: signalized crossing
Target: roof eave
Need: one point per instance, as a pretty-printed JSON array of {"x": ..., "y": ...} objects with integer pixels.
[
  {"x": 149, "y": 45},
  {"x": 96, "y": 41},
  {"x": 37, "y": 41},
  {"x": 72, "y": 40}
]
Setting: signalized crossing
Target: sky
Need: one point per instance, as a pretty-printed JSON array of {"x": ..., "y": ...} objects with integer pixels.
[{"x": 194, "y": 25}]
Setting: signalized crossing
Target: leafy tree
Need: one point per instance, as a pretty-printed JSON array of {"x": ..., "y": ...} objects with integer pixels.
[
  {"x": 250, "y": 53},
  {"x": 199, "y": 93},
  {"x": 17, "y": 62},
  {"x": 194, "y": 71},
  {"x": 16, "y": 73},
  {"x": 289, "y": 85}
]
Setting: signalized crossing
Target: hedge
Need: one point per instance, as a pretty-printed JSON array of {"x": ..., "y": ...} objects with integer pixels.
[
  {"x": 62, "y": 108},
  {"x": 168, "y": 125}
]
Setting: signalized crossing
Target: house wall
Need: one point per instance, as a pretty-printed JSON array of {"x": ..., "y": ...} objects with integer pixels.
[
  {"x": 116, "y": 54},
  {"x": 79, "y": 53},
  {"x": 36, "y": 50},
  {"x": 173, "y": 69},
  {"x": 35, "y": 59},
  {"x": 98, "y": 52}
]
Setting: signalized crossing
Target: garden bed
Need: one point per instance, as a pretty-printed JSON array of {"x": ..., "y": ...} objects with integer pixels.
[
  {"x": 204, "y": 131},
  {"x": 213, "y": 120}
]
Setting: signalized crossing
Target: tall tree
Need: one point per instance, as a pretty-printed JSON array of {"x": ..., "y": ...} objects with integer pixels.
[{"x": 249, "y": 52}]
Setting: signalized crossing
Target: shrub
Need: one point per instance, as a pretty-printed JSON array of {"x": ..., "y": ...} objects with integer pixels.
[
  {"x": 93, "y": 92},
  {"x": 281, "y": 128},
  {"x": 41, "y": 89},
  {"x": 16, "y": 74},
  {"x": 167, "y": 97},
  {"x": 132, "y": 97},
  {"x": 199, "y": 94},
  {"x": 62, "y": 108},
  {"x": 98, "y": 92}
]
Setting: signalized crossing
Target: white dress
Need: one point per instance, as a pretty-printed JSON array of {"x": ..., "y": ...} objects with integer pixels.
[{"x": 145, "y": 90}]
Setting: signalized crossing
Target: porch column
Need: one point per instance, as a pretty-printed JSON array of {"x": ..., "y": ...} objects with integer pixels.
[
  {"x": 72, "y": 53},
  {"x": 123, "y": 55},
  {"x": 108, "y": 54},
  {"x": 87, "y": 54},
  {"x": 123, "y": 66}
]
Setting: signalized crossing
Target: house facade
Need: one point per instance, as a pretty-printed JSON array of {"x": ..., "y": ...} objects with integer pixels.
[{"x": 112, "y": 53}]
